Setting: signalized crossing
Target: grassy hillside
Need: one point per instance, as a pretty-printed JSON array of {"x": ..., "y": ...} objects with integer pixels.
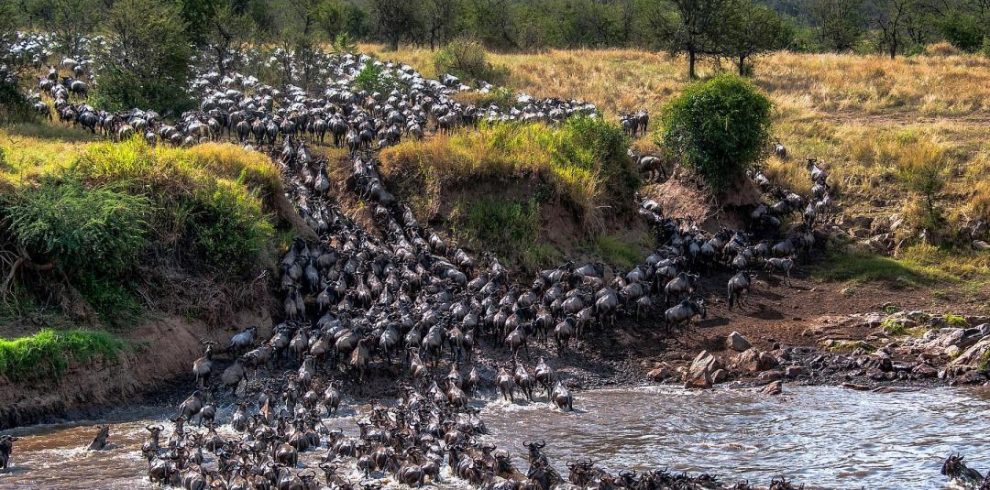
[
  {"x": 98, "y": 234},
  {"x": 529, "y": 192},
  {"x": 875, "y": 123}
]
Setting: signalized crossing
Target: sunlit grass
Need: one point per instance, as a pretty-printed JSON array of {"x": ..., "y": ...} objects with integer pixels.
[{"x": 48, "y": 353}]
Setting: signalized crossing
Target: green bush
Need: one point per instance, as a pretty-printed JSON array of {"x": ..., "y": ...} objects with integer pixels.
[
  {"x": 229, "y": 228},
  {"x": 468, "y": 61},
  {"x": 719, "y": 128},
  {"x": 98, "y": 229},
  {"x": 14, "y": 107},
  {"x": 48, "y": 352},
  {"x": 502, "y": 226},
  {"x": 372, "y": 78}
]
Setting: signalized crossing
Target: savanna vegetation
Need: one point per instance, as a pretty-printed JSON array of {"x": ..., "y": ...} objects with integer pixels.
[{"x": 97, "y": 234}]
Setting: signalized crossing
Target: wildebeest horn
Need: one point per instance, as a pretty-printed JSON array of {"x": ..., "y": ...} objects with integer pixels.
[{"x": 542, "y": 444}]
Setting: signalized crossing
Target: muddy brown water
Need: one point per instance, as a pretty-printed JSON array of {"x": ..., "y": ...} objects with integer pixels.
[{"x": 826, "y": 436}]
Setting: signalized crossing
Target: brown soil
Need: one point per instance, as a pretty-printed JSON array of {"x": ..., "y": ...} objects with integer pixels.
[{"x": 162, "y": 352}]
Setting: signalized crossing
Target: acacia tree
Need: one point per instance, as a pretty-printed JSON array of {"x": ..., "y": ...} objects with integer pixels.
[
  {"x": 71, "y": 21},
  {"x": 840, "y": 22},
  {"x": 891, "y": 17},
  {"x": 227, "y": 33},
  {"x": 397, "y": 19},
  {"x": 441, "y": 19},
  {"x": 752, "y": 30},
  {"x": 146, "y": 63},
  {"x": 695, "y": 28}
]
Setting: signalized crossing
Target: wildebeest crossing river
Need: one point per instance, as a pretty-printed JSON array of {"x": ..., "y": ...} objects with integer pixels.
[{"x": 827, "y": 437}]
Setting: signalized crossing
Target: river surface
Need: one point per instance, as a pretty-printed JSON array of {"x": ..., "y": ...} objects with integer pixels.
[{"x": 825, "y": 436}]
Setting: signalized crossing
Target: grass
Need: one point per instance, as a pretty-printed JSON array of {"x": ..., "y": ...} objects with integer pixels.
[
  {"x": 866, "y": 267},
  {"x": 581, "y": 162},
  {"x": 850, "y": 346},
  {"x": 48, "y": 353},
  {"x": 618, "y": 252}
]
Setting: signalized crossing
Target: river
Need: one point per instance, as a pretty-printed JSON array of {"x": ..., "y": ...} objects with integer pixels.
[{"x": 828, "y": 437}]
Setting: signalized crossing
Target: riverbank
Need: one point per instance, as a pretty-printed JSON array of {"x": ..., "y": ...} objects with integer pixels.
[{"x": 155, "y": 363}]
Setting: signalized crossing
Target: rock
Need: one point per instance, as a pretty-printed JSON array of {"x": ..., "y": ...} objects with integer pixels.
[
  {"x": 946, "y": 337},
  {"x": 772, "y": 375},
  {"x": 702, "y": 381},
  {"x": 952, "y": 351},
  {"x": 753, "y": 361},
  {"x": 981, "y": 245},
  {"x": 923, "y": 370},
  {"x": 775, "y": 388},
  {"x": 737, "y": 342},
  {"x": 720, "y": 376},
  {"x": 873, "y": 320},
  {"x": 661, "y": 373},
  {"x": 857, "y": 387},
  {"x": 974, "y": 357},
  {"x": 793, "y": 371},
  {"x": 705, "y": 363},
  {"x": 970, "y": 377}
]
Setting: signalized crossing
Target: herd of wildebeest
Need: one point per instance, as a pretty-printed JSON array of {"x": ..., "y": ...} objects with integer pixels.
[{"x": 401, "y": 304}]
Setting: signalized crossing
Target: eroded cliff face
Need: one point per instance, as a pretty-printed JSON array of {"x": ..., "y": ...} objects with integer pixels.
[{"x": 161, "y": 352}]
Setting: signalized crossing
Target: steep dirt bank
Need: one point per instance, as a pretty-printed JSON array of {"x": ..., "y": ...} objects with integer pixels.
[{"x": 161, "y": 352}]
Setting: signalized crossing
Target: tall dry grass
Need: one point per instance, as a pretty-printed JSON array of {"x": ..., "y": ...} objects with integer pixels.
[{"x": 624, "y": 79}]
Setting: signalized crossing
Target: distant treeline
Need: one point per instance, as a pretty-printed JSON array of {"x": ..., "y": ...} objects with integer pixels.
[{"x": 901, "y": 26}]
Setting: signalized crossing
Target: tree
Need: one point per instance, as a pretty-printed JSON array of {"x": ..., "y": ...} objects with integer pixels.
[
  {"x": 397, "y": 19},
  {"x": 146, "y": 63},
  {"x": 840, "y": 22},
  {"x": 226, "y": 33},
  {"x": 751, "y": 30},
  {"x": 718, "y": 128},
  {"x": 71, "y": 21},
  {"x": 442, "y": 17},
  {"x": 695, "y": 29},
  {"x": 890, "y": 19}
]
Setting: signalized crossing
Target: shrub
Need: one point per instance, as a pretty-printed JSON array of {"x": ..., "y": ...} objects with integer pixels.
[
  {"x": 921, "y": 168},
  {"x": 941, "y": 49},
  {"x": 13, "y": 106},
  {"x": 718, "y": 128},
  {"x": 468, "y": 61},
  {"x": 373, "y": 78},
  {"x": 228, "y": 228},
  {"x": 101, "y": 229},
  {"x": 48, "y": 352}
]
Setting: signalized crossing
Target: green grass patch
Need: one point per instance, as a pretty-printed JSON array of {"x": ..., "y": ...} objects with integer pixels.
[
  {"x": 48, "y": 353},
  {"x": 97, "y": 212},
  {"x": 850, "y": 346},
  {"x": 956, "y": 321},
  {"x": 617, "y": 252},
  {"x": 893, "y": 327},
  {"x": 865, "y": 267},
  {"x": 510, "y": 229}
]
